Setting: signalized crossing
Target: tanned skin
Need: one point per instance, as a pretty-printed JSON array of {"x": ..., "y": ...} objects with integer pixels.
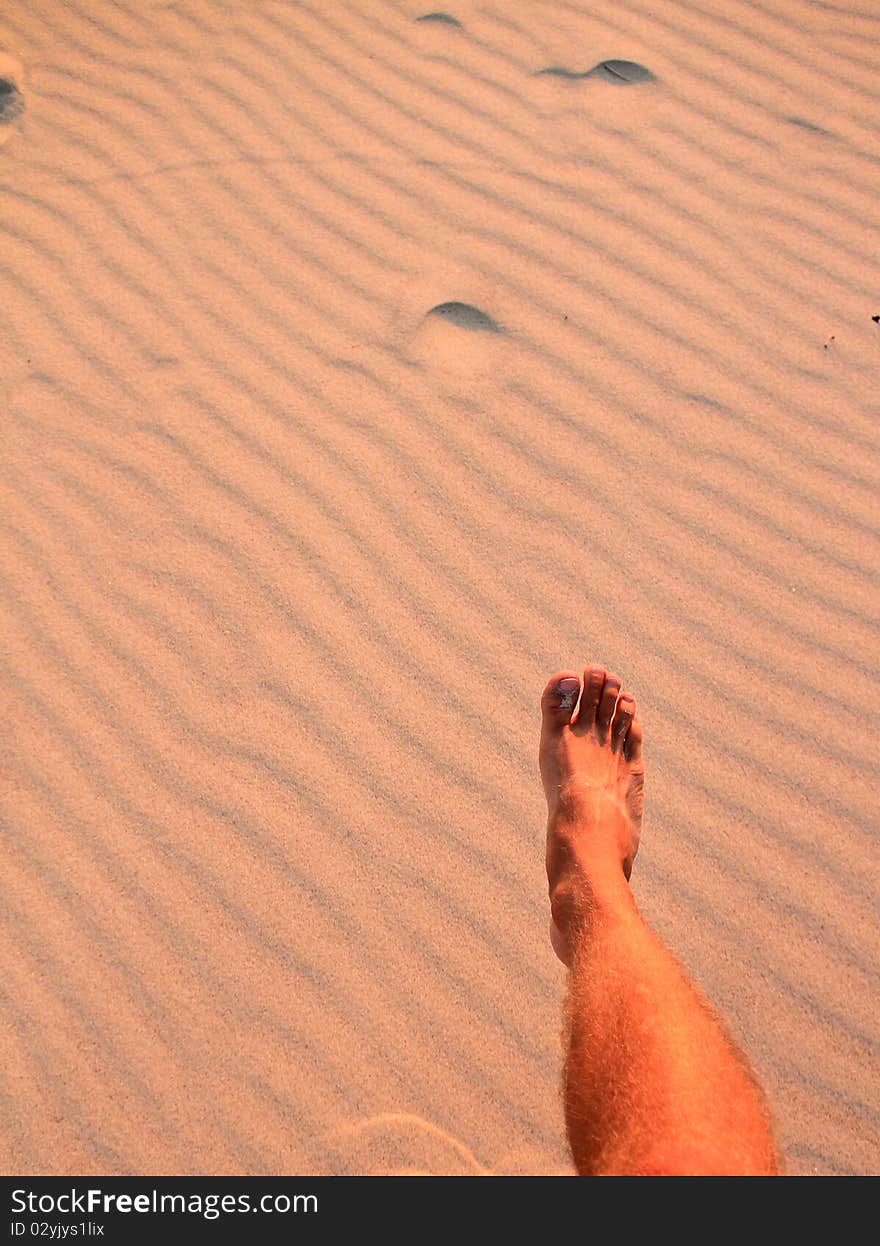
[{"x": 653, "y": 1083}]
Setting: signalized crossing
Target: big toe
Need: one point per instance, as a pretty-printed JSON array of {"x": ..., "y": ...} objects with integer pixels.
[{"x": 559, "y": 699}]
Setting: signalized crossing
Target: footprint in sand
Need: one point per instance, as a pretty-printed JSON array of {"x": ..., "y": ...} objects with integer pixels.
[
  {"x": 465, "y": 316},
  {"x": 398, "y": 1144},
  {"x": 459, "y": 339},
  {"x": 11, "y": 101},
  {"x": 441, "y": 19},
  {"x": 620, "y": 73},
  {"x": 572, "y": 103},
  {"x": 402, "y": 1144},
  {"x": 11, "y": 95}
]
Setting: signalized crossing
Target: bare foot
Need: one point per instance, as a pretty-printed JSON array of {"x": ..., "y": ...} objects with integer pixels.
[{"x": 593, "y": 774}]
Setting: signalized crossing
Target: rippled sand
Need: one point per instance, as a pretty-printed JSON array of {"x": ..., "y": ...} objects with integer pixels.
[{"x": 357, "y": 371}]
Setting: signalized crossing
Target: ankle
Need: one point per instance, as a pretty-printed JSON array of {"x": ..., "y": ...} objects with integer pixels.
[{"x": 592, "y": 892}]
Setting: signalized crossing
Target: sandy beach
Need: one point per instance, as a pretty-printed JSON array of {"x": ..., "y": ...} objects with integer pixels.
[{"x": 360, "y": 366}]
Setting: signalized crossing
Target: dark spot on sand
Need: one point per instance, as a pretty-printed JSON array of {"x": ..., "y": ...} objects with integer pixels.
[
  {"x": 705, "y": 401},
  {"x": 350, "y": 365},
  {"x": 446, "y": 19},
  {"x": 623, "y": 73},
  {"x": 11, "y": 101},
  {"x": 809, "y": 125},
  {"x": 466, "y": 317}
]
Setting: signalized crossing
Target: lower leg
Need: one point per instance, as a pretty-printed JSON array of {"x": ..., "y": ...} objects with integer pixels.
[{"x": 653, "y": 1083}]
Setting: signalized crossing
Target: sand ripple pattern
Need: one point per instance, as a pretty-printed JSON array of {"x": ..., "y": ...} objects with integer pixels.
[{"x": 285, "y": 558}]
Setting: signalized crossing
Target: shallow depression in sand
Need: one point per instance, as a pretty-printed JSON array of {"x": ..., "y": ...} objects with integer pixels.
[
  {"x": 440, "y": 19},
  {"x": 620, "y": 73},
  {"x": 581, "y": 108},
  {"x": 459, "y": 338},
  {"x": 11, "y": 95},
  {"x": 466, "y": 316}
]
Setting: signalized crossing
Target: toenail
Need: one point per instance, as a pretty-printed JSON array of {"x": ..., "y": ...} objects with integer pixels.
[{"x": 568, "y": 690}]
